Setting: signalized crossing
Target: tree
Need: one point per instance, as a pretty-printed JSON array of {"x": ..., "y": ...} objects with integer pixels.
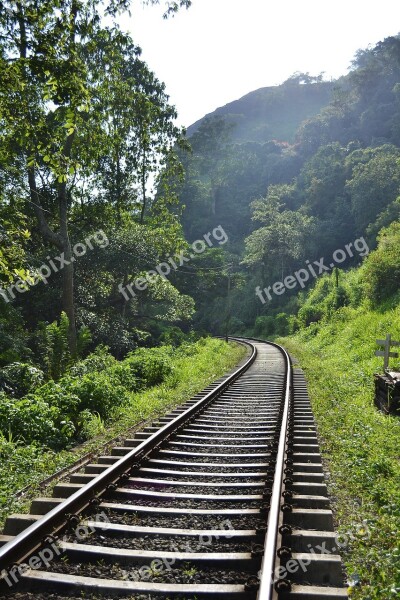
[
  {"x": 170, "y": 7},
  {"x": 281, "y": 240},
  {"x": 138, "y": 131},
  {"x": 13, "y": 238},
  {"x": 206, "y": 166},
  {"x": 50, "y": 98},
  {"x": 43, "y": 101},
  {"x": 381, "y": 271},
  {"x": 322, "y": 180},
  {"x": 374, "y": 182},
  {"x": 374, "y": 77}
]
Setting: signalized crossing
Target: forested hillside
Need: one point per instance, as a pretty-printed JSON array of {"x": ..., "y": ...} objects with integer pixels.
[
  {"x": 119, "y": 230},
  {"x": 96, "y": 329},
  {"x": 273, "y": 112},
  {"x": 136, "y": 233},
  {"x": 313, "y": 261},
  {"x": 126, "y": 241},
  {"x": 86, "y": 132},
  {"x": 295, "y": 196}
]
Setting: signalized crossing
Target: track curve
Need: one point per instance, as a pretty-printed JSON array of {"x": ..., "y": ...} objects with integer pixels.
[{"x": 223, "y": 498}]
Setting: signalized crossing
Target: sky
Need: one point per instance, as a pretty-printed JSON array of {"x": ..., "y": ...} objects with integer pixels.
[{"x": 220, "y": 50}]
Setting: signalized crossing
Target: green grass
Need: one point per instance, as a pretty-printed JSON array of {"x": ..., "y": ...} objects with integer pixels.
[
  {"x": 23, "y": 465},
  {"x": 360, "y": 445}
]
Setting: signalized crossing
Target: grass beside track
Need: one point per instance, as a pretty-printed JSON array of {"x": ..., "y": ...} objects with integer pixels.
[
  {"x": 21, "y": 465},
  {"x": 360, "y": 445}
]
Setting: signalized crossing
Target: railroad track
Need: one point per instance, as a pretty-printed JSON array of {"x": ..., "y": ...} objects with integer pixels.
[{"x": 223, "y": 498}]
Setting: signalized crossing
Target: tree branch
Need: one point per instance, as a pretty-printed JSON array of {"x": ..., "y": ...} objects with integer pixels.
[{"x": 44, "y": 227}]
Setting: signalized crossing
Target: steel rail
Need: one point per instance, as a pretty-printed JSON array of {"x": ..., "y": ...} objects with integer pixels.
[
  {"x": 33, "y": 538},
  {"x": 266, "y": 589}
]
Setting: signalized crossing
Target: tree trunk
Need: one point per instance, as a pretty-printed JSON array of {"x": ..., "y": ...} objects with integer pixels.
[
  {"x": 61, "y": 239},
  {"x": 124, "y": 301},
  {"x": 68, "y": 298},
  {"x": 143, "y": 180},
  {"x": 118, "y": 198},
  {"x": 68, "y": 271}
]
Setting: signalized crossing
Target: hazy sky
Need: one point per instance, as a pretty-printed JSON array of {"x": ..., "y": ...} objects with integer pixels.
[{"x": 219, "y": 50}]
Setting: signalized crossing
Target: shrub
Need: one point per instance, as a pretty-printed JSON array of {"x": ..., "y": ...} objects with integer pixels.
[
  {"x": 338, "y": 298},
  {"x": 293, "y": 324},
  {"x": 355, "y": 286},
  {"x": 52, "y": 341},
  {"x": 312, "y": 308},
  {"x": 381, "y": 270},
  {"x": 90, "y": 425},
  {"x": 264, "y": 326},
  {"x": 123, "y": 374},
  {"x": 150, "y": 365},
  {"x": 309, "y": 314},
  {"x": 32, "y": 419},
  {"x": 56, "y": 395},
  {"x": 282, "y": 324},
  {"x": 192, "y": 349},
  {"x": 96, "y": 392},
  {"x": 99, "y": 360},
  {"x": 80, "y": 402},
  {"x": 18, "y": 379},
  {"x": 53, "y": 346}
]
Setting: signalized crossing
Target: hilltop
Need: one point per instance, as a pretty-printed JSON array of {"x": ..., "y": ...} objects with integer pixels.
[{"x": 273, "y": 113}]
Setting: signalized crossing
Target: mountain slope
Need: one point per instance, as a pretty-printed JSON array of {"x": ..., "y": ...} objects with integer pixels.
[
  {"x": 273, "y": 113},
  {"x": 288, "y": 189}
]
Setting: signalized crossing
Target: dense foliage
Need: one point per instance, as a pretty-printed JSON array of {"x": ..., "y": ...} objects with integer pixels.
[
  {"x": 100, "y": 192},
  {"x": 184, "y": 373},
  {"x": 86, "y": 132},
  {"x": 56, "y": 413},
  {"x": 288, "y": 191},
  {"x": 359, "y": 443},
  {"x": 94, "y": 169}
]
